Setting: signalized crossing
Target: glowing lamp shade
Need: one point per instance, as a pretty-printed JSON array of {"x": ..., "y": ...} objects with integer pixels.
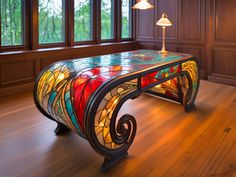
[
  {"x": 143, "y": 5},
  {"x": 164, "y": 22}
]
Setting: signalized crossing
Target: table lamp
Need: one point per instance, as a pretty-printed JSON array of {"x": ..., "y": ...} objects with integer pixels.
[
  {"x": 143, "y": 5},
  {"x": 164, "y": 22}
]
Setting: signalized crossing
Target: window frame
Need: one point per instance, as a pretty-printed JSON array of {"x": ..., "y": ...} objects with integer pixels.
[
  {"x": 24, "y": 21},
  {"x": 59, "y": 44},
  {"x": 131, "y": 22},
  {"x": 114, "y": 23},
  {"x": 30, "y": 24},
  {"x": 93, "y": 16}
]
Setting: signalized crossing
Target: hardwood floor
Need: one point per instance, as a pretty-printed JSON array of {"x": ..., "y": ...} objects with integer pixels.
[{"x": 169, "y": 142}]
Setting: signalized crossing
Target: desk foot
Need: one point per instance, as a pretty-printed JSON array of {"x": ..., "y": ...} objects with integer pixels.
[
  {"x": 189, "y": 107},
  {"x": 110, "y": 162},
  {"x": 61, "y": 129}
]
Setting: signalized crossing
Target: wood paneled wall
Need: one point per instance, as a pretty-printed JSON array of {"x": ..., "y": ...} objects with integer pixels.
[
  {"x": 19, "y": 69},
  {"x": 205, "y": 28}
]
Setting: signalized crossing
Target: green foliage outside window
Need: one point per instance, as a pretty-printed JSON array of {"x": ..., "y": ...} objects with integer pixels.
[
  {"x": 51, "y": 21},
  {"x": 11, "y": 22},
  {"x": 126, "y": 18},
  {"x": 107, "y": 19},
  {"x": 83, "y": 20}
]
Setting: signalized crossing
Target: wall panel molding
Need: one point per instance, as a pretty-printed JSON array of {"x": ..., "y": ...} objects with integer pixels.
[
  {"x": 225, "y": 66},
  {"x": 221, "y": 44},
  {"x": 224, "y": 19},
  {"x": 15, "y": 72},
  {"x": 170, "y": 7},
  {"x": 192, "y": 20},
  {"x": 146, "y": 29}
]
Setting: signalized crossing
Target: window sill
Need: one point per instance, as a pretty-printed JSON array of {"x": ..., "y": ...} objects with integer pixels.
[{"x": 64, "y": 48}]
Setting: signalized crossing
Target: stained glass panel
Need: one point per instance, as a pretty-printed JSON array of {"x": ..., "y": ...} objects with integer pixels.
[
  {"x": 105, "y": 111},
  {"x": 191, "y": 67},
  {"x": 159, "y": 75}
]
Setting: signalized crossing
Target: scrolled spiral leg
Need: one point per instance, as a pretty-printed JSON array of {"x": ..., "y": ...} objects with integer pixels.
[
  {"x": 111, "y": 161},
  {"x": 189, "y": 84},
  {"x": 61, "y": 129},
  {"x": 122, "y": 135},
  {"x": 109, "y": 136},
  {"x": 185, "y": 90}
]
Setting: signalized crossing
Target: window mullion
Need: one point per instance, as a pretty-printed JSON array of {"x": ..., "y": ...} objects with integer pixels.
[
  {"x": 70, "y": 22},
  {"x": 133, "y": 21},
  {"x": 118, "y": 21},
  {"x": 0, "y": 28},
  {"x": 33, "y": 24},
  {"x": 98, "y": 21},
  {"x": 26, "y": 26}
]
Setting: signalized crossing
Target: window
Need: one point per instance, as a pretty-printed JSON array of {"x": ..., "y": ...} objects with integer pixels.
[
  {"x": 107, "y": 19},
  {"x": 82, "y": 20},
  {"x": 126, "y": 18},
  {"x": 11, "y": 22},
  {"x": 34, "y": 24},
  {"x": 51, "y": 21}
]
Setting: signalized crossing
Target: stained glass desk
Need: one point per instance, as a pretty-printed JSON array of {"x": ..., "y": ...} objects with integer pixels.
[{"x": 85, "y": 95}]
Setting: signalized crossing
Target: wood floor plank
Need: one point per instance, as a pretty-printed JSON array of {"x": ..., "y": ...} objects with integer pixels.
[
  {"x": 212, "y": 140},
  {"x": 164, "y": 160},
  {"x": 227, "y": 167},
  {"x": 169, "y": 142},
  {"x": 197, "y": 142}
]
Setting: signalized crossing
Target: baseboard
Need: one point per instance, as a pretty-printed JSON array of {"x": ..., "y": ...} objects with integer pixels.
[
  {"x": 222, "y": 79},
  {"x": 16, "y": 89}
]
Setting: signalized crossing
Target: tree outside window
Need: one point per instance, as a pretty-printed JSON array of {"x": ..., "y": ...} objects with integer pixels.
[
  {"x": 82, "y": 20},
  {"x": 11, "y": 22},
  {"x": 107, "y": 19},
  {"x": 51, "y": 21},
  {"x": 126, "y": 18}
]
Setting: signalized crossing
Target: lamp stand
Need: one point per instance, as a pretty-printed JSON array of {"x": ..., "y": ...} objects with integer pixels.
[{"x": 163, "y": 50}]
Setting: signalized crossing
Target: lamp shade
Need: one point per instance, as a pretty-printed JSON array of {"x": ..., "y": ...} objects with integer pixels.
[
  {"x": 164, "y": 21},
  {"x": 143, "y": 5}
]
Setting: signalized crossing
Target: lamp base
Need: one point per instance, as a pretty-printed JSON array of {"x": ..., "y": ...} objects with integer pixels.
[{"x": 164, "y": 52}]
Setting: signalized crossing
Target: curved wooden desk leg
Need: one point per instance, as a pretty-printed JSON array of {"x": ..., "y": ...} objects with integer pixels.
[
  {"x": 61, "y": 129},
  {"x": 109, "y": 136}
]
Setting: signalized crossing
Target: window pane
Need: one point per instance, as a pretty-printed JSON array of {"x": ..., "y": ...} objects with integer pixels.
[
  {"x": 83, "y": 20},
  {"x": 107, "y": 19},
  {"x": 51, "y": 21},
  {"x": 126, "y": 18},
  {"x": 11, "y": 22}
]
